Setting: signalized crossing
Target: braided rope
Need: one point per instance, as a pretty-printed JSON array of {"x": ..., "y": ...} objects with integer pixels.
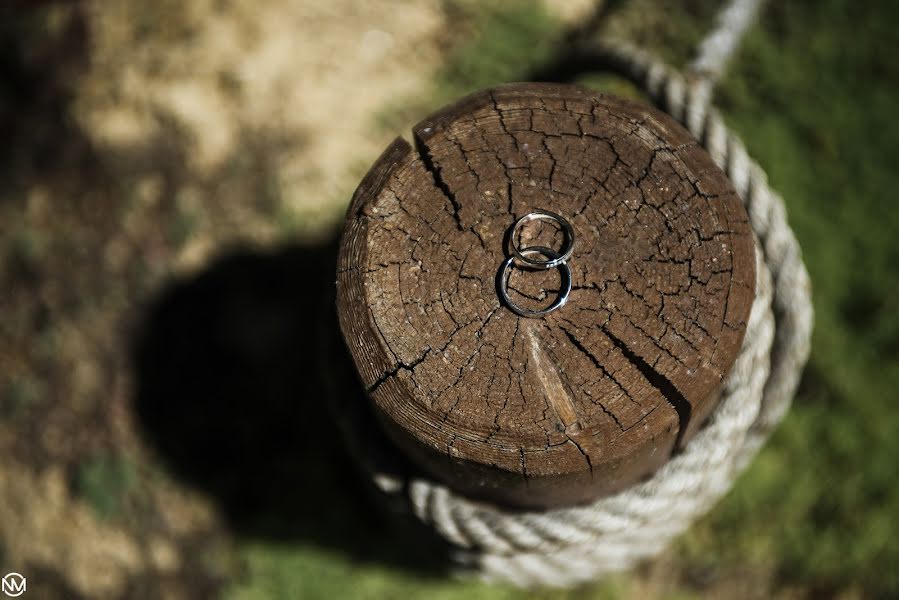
[
  {"x": 566, "y": 546},
  {"x": 716, "y": 49}
]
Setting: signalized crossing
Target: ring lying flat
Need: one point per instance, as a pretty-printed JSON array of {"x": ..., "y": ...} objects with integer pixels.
[
  {"x": 564, "y": 270},
  {"x": 560, "y": 257}
]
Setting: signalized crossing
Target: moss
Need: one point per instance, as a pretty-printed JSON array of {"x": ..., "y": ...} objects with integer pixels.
[
  {"x": 104, "y": 481},
  {"x": 18, "y": 397},
  {"x": 610, "y": 83}
]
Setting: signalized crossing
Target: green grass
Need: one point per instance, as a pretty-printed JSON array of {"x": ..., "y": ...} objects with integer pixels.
[
  {"x": 312, "y": 574},
  {"x": 670, "y": 30},
  {"x": 506, "y": 41},
  {"x": 814, "y": 93},
  {"x": 104, "y": 482},
  {"x": 495, "y": 42}
]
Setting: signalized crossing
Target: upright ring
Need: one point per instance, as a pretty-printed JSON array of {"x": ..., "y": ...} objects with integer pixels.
[
  {"x": 560, "y": 257},
  {"x": 565, "y": 286}
]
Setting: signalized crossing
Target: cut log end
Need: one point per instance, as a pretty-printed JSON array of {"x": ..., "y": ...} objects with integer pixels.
[{"x": 596, "y": 395}]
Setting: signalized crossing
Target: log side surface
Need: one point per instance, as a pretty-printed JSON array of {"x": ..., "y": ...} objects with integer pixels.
[{"x": 595, "y": 396}]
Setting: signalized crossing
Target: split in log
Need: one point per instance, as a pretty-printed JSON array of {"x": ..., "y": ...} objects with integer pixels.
[{"x": 596, "y": 395}]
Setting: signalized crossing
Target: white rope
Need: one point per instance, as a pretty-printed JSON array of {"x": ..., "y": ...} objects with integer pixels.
[
  {"x": 717, "y": 48},
  {"x": 715, "y": 51},
  {"x": 566, "y": 546}
]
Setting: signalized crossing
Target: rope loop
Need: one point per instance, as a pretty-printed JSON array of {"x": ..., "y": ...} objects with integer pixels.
[{"x": 568, "y": 546}]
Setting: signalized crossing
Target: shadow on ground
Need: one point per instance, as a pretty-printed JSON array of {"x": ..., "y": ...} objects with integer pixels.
[
  {"x": 234, "y": 367},
  {"x": 39, "y": 65}
]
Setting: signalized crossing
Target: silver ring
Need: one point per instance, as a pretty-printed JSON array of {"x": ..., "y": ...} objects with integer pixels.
[
  {"x": 560, "y": 257},
  {"x": 561, "y": 299}
]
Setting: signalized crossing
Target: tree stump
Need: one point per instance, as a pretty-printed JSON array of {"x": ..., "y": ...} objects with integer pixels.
[{"x": 596, "y": 395}]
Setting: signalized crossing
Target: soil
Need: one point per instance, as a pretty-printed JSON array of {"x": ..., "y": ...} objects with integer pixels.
[{"x": 146, "y": 140}]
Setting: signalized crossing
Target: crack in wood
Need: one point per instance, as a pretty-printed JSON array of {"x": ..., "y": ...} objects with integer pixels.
[
  {"x": 428, "y": 162},
  {"x": 669, "y": 391},
  {"x": 596, "y": 363}
]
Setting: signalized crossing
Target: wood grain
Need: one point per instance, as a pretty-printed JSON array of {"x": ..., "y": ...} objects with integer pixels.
[{"x": 595, "y": 396}]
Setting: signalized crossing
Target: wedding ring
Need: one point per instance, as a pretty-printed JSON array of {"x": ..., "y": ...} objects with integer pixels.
[
  {"x": 558, "y": 257},
  {"x": 564, "y": 288}
]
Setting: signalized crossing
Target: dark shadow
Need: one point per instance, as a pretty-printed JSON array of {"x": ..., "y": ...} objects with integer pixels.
[
  {"x": 573, "y": 56},
  {"x": 571, "y": 62},
  {"x": 39, "y": 65},
  {"x": 233, "y": 371},
  {"x": 234, "y": 367},
  {"x": 46, "y": 582}
]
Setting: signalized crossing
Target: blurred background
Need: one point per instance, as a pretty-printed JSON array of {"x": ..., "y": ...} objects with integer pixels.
[{"x": 173, "y": 176}]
